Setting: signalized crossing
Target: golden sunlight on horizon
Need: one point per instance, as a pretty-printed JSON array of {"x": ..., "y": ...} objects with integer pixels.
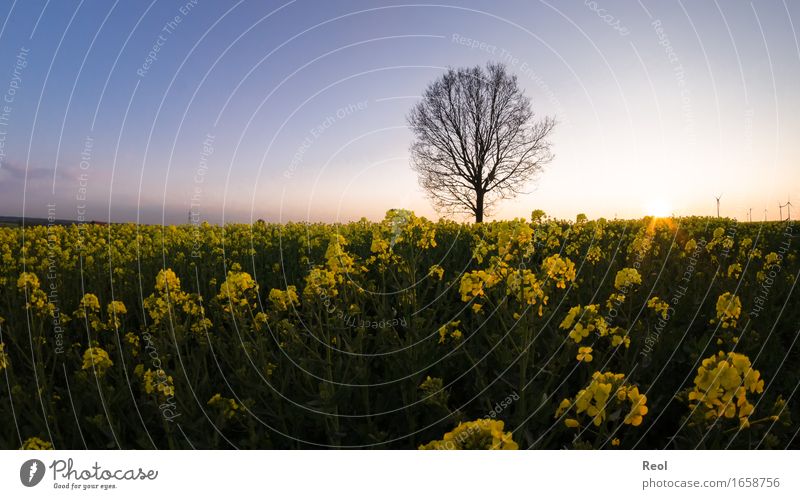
[{"x": 658, "y": 207}]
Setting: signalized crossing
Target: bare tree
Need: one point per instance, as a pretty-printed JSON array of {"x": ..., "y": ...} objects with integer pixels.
[{"x": 475, "y": 139}]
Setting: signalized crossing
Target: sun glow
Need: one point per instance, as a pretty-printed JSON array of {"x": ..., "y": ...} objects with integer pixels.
[{"x": 658, "y": 207}]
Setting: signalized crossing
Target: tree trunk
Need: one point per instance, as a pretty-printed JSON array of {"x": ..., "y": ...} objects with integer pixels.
[{"x": 478, "y": 206}]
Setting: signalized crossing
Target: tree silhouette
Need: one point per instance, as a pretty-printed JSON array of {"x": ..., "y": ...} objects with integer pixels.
[{"x": 475, "y": 139}]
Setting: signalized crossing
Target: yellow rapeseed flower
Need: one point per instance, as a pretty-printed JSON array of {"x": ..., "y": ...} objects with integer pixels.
[
  {"x": 595, "y": 401},
  {"x": 560, "y": 270},
  {"x": 659, "y": 306},
  {"x": 238, "y": 292},
  {"x": 486, "y": 434},
  {"x": 721, "y": 387},
  {"x": 36, "y": 443},
  {"x": 37, "y": 301},
  {"x": 96, "y": 359},
  {"x": 284, "y": 300},
  {"x": 729, "y": 307},
  {"x": 228, "y": 407},
  {"x": 450, "y": 329},
  {"x": 5, "y": 362},
  {"x": 626, "y": 278},
  {"x": 436, "y": 272},
  {"x": 158, "y": 382}
]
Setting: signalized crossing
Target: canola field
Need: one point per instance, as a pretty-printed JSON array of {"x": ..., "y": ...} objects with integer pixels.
[{"x": 401, "y": 334}]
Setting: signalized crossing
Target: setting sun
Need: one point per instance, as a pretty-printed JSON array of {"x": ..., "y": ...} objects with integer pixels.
[{"x": 658, "y": 207}]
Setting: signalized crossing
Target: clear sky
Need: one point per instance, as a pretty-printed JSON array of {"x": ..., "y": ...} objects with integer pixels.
[{"x": 296, "y": 110}]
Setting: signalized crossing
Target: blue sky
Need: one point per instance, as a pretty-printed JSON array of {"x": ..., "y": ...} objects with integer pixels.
[{"x": 296, "y": 110}]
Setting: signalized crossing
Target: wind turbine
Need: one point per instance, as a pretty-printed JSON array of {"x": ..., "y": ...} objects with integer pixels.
[
  {"x": 718, "y": 198},
  {"x": 789, "y": 208}
]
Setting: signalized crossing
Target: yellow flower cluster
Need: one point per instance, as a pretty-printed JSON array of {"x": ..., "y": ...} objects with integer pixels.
[
  {"x": 97, "y": 359},
  {"x": 721, "y": 387},
  {"x": 339, "y": 261},
  {"x": 473, "y": 284},
  {"x": 642, "y": 244},
  {"x": 433, "y": 391},
  {"x": 134, "y": 342},
  {"x": 284, "y": 300},
  {"x": 431, "y": 385},
  {"x": 729, "y": 307},
  {"x": 594, "y": 254},
  {"x": 5, "y": 362},
  {"x": 158, "y": 382},
  {"x": 406, "y": 226},
  {"x": 721, "y": 240},
  {"x": 770, "y": 260},
  {"x": 228, "y": 407},
  {"x": 115, "y": 310},
  {"x": 659, "y": 306},
  {"x": 582, "y": 321},
  {"x": 735, "y": 270},
  {"x": 514, "y": 238},
  {"x": 167, "y": 281},
  {"x": 36, "y": 443},
  {"x": 168, "y": 298},
  {"x": 626, "y": 278},
  {"x": 481, "y": 434},
  {"x": 320, "y": 283},
  {"x": 584, "y": 354},
  {"x": 615, "y": 300},
  {"x": 637, "y": 400},
  {"x": 28, "y": 280},
  {"x": 525, "y": 286},
  {"x": 382, "y": 248},
  {"x": 560, "y": 270},
  {"x": 238, "y": 292},
  {"x": 37, "y": 301},
  {"x": 606, "y": 393},
  {"x": 167, "y": 295},
  {"x": 89, "y": 303},
  {"x": 436, "y": 271},
  {"x": 89, "y": 311},
  {"x": 380, "y": 245},
  {"x": 522, "y": 284},
  {"x": 450, "y": 329}
]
